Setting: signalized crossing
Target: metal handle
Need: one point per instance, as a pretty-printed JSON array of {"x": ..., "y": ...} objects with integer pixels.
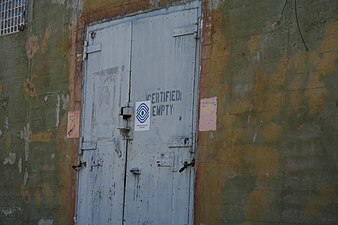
[
  {"x": 135, "y": 171},
  {"x": 78, "y": 167},
  {"x": 186, "y": 165}
]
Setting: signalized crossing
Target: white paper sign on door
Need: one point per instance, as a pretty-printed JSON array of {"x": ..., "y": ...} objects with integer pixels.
[{"x": 142, "y": 116}]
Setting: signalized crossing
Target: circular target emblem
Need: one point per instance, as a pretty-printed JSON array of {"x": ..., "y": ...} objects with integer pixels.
[{"x": 142, "y": 113}]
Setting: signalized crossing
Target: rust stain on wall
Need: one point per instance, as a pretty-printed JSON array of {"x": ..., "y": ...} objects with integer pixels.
[
  {"x": 44, "y": 44},
  {"x": 38, "y": 197},
  {"x": 8, "y": 142},
  {"x": 253, "y": 43},
  {"x": 324, "y": 62},
  {"x": 47, "y": 192},
  {"x": 330, "y": 42},
  {"x": 40, "y": 137},
  {"x": 260, "y": 90},
  {"x": 32, "y": 46},
  {"x": 278, "y": 78},
  {"x": 29, "y": 89},
  {"x": 25, "y": 193}
]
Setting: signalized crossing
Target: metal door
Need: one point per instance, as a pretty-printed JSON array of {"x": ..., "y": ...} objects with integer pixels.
[
  {"x": 131, "y": 176},
  {"x": 163, "y": 65},
  {"x": 106, "y": 89}
]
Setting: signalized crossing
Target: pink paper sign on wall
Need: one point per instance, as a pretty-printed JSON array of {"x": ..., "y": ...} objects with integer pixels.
[
  {"x": 73, "y": 125},
  {"x": 208, "y": 114}
]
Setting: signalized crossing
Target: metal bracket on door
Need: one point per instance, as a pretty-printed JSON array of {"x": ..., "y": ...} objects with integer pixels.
[
  {"x": 87, "y": 145},
  {"x": 180, "y": 142},
  {"x": 186, "y": 30},
  {"x": 125, "y": 130},
  {"x": 126, "y": 112}
]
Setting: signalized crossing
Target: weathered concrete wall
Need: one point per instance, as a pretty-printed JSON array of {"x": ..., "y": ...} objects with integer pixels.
[
  {"x": 37, "y": 183},
  {"x": 273, "y": 158},
  {"x": 40, "y": 81}
]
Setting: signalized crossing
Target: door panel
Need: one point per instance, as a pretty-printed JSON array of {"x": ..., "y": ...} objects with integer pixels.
[
  {"x": 101, "y": 181},
  {"x": 163, "y": 68}
]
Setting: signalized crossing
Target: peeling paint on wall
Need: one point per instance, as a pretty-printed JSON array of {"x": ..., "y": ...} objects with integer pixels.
[
  {"x": 213, "y": 4},
  {"x": 25, "y": 177},
  {"x": 65, "y": 101},
  {"x": 25, "y": 136},
  {"x": 73, "y": 124},
  {"x": 10, "y": 159},
  {"x": 29, "y": 88},
  {"x": 6, "y": 123},
  {"x": 32, "y": 46},
  {"x": 57, "y": 111},
  {"x": 10, "y": 211},
  {"x": 154, "y": 3},
  {"x": 20, "y": 165},
  {"x": 40, "y": 137}
]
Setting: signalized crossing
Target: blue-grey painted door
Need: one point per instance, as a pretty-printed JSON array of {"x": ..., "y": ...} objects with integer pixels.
[
  {"x": 103, "y": 149},
  {"x": 163, "y": 72},
  {"x": 134, "y": 177}
]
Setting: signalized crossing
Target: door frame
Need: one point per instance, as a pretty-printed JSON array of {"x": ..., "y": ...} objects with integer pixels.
[{"x": 140, "y": 15}]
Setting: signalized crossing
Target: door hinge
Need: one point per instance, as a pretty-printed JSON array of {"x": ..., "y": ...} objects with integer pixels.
[
  {"x": 199, "y": 28},
  {"x": 84, "y": 54},
  {"x": 88, "y": 145},
  {"x": 186, "y": 30},
  {"x": 180, "y": 142},
  {"x": 195, "y": 140},
  {"x": 87, "y": 49}
]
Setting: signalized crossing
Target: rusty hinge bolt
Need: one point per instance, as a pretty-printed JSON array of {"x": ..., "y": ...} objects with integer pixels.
[{"x": 78, "y": 167}]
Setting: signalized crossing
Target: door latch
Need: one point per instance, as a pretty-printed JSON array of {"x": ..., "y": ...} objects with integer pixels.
[
  {"x": 78, "y": 167},
  {"x": 186, "y": 165},
  {"x": 135, "y": 171},
  {"x": 126, "y": 112}
]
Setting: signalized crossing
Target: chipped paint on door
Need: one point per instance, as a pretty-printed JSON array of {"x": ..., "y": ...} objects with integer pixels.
[
  {"x": 164, "y": 50},
  {"x": 101, "y": 174}
]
